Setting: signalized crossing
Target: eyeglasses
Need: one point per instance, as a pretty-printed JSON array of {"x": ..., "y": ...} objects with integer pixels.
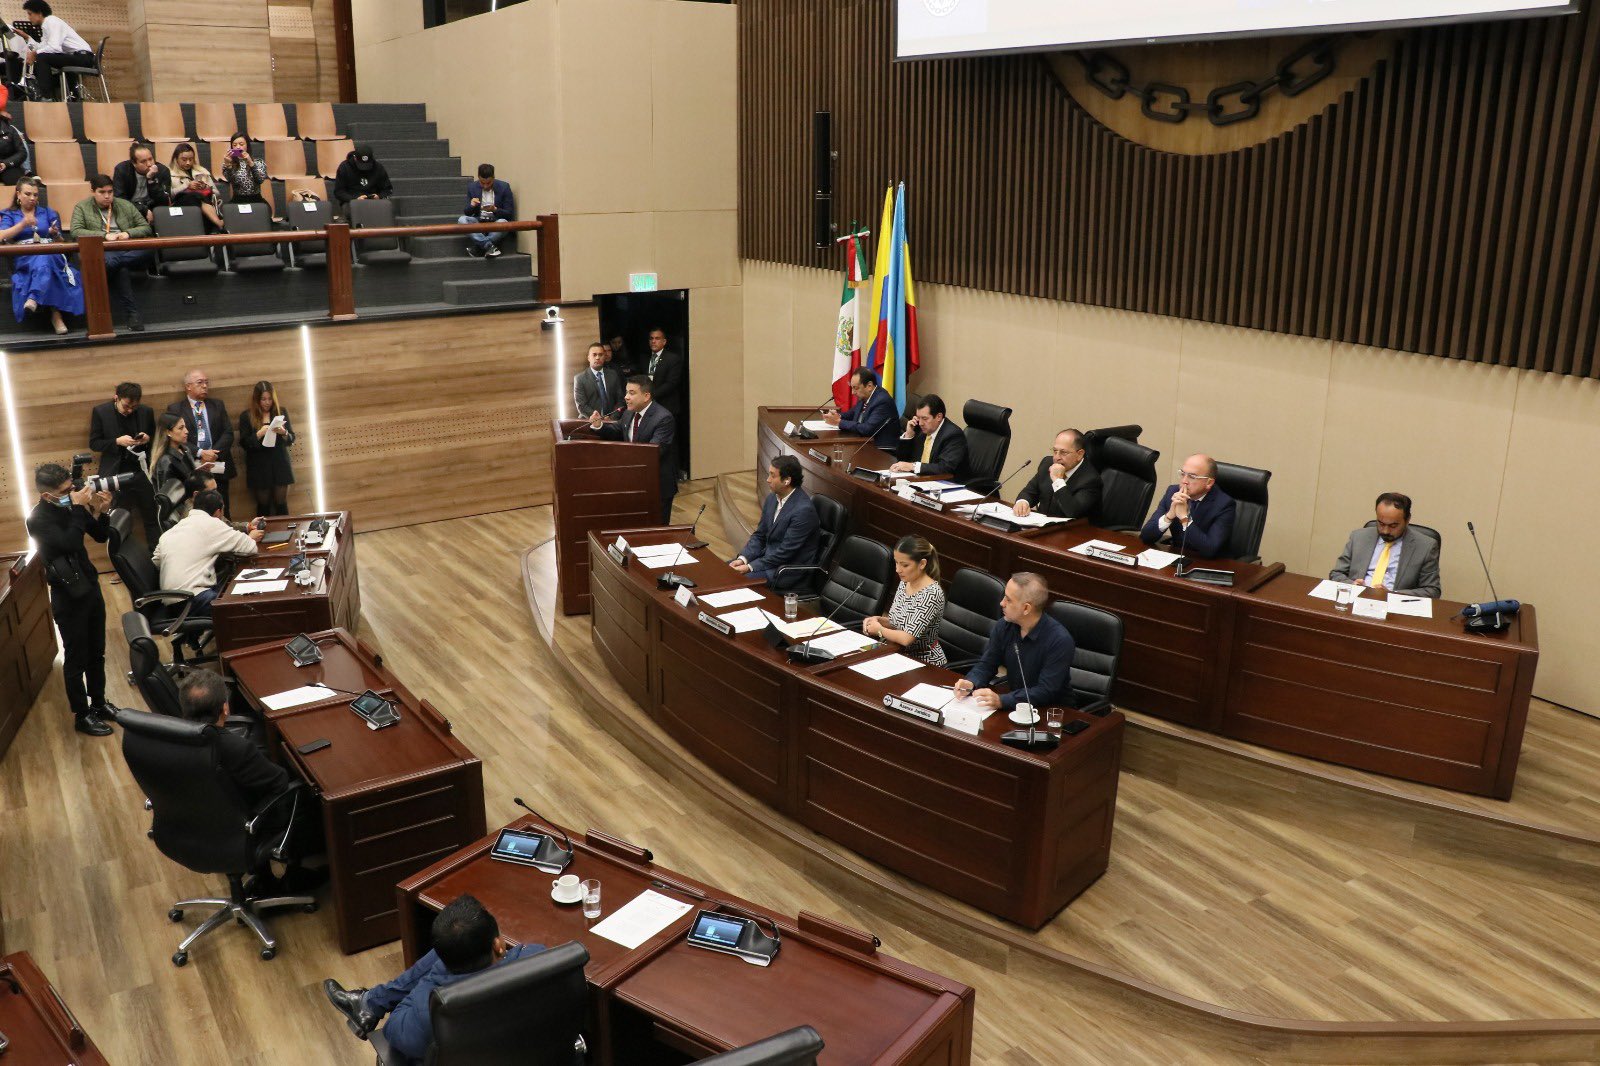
[
  {"x": 200, "y": 381},
  {"x": 1184, "y": 475}
]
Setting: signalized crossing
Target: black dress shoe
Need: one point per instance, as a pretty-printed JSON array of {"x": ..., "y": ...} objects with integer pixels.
[
  {"x": 136, "y": 321},
  {"x": 349, "y": 1003},
  {"x": 89, "y": 724}
]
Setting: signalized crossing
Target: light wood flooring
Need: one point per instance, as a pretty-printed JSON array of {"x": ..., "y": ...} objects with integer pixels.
[{"x": 1226, "y": 904}]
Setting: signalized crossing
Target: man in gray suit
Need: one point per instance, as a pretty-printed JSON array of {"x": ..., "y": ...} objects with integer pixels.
[
  {"x": 599, "y": 388},
  {"x": 1392, "y": 554}
]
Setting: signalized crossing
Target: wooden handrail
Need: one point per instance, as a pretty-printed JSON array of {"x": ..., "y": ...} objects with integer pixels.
[{"x": 91, "y": 250}]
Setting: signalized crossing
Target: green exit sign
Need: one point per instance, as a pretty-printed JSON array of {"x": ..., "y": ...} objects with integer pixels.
[{"x": 642, "y": 283}]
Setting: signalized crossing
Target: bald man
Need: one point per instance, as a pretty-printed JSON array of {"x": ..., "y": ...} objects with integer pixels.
[{"x": 1195, "y": 516}]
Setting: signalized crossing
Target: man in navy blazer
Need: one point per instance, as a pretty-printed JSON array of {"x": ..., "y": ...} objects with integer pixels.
[
  {"x": 1195, "y": 515},
  {"x": 790, "y": 532},
  {"x": 210, "y": 429},
  {"x": 488, "y": 200},
  {"x": 874, "y": 413},
  {"x": 646, "y": 422}
]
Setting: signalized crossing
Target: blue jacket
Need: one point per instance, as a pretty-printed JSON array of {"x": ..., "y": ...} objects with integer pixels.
[
  {"x": 877, "y": 417},
  {"x": 409, "y": 1029},
  {"x": 1210, "y": 528},
  {"x": 1045, "y": 663},
  {"x": 790, "y": 541},
  {"x": 505, "y": 205}
]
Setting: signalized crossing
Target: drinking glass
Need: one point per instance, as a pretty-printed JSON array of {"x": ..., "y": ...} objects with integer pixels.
[
  {"x": 1053, "y": 717},
  {"x": 838, "y": 453},
  {"x": 791, "y": 605},
  {"x": 591, "y": 899},
  {"x": 1343, "y": 597}
]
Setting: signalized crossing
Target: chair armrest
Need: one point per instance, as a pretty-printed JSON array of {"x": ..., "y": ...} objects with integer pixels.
[
  {"x": 292, "y": 789},
  {"x": 168, "y": 596},
  {"x": 1099, "y": 708}
]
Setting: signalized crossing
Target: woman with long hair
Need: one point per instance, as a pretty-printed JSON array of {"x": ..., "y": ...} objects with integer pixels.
[
  {"x": 245, "y": 175},
  {"x": 264, "y": 428},
  {"x": 170, "y": 457},
  {"x": 193, "y": 186},
  {"x": 39, "y": 282},
  {"x": 913, "y": 619}
]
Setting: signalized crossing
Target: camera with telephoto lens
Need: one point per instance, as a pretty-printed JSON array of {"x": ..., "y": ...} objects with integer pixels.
[{"x": 96, "y": 483}]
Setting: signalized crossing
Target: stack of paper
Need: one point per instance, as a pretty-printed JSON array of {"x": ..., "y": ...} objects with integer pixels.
[
  {"x": 1103, "y": 545},
  {"x": 748, "y": 620},
  {"x": 720, "y": 600},
  {"x": 650, "y": 551},
  {"x": 252, "y": 588},
  {"x": 888, "y": 666},
  {"x": 294, "y": 697},
  {"x": 682, "y": 557},
  {"x": 959, "y": 496},
  {"x": 1155, "y": 558},
  {"x": 817, "y": 425},
  {"x": 1003, "y": 510},
  {"x": 844, "y": 642},
  {"x": 1416, "y": 606},
  {"x": 641, "y": 918},
  {"x": 804, "y": 629}
]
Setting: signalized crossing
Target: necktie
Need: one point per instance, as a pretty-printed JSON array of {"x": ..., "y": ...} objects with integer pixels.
[
  {"x": 655, "y": 364},
  {"x": 634, "y": 433},
  {"x": 600, "y": 383},
  {"x": 202, "y": 430},
  {"x": 927, "y": 449},
  {"x": 1380, "y": 569}
]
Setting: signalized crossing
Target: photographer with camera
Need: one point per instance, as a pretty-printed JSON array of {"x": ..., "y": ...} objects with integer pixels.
[
  {"x": 121, "y": 430},
  {"x": 65, "y": 514}
]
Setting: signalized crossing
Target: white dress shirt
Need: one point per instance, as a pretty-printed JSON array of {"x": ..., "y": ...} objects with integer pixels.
[{"x": 187, "y": 553}]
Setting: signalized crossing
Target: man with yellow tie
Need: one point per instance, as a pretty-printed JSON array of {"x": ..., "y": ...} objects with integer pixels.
[
  {"x": 932, "y": 444},
  {"x": 1390, "y": 553}
]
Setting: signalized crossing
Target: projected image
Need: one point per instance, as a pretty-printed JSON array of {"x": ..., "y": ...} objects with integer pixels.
[{"x": 947, "y": 27}]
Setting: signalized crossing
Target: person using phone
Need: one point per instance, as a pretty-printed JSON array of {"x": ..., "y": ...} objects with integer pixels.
[
  {"x": 39, "y": 282},
  {"x": 264, "y": 428},
  {"x": 243, "y": 173},
  {"x": 193, "y": 186},
  {"x": 121, "y": 430},
  {"x": 489, "y": 199},
  {"x": 361, "y": 177}
]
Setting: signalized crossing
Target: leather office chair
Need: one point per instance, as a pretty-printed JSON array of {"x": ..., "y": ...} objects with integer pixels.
[
  {"x": 988, "y": 441},
  {"x": 1248, "y": 487},
  {"x": 1128, "y": 483},
  {"x": 374, "y": 251},
  {"x": 971, "y": 608},
  {"x": 146, "y": 672},
  {"x": 169, "y": 497},
  {"x": 797, "y": 1047},
  {"x": 1419, "y": 527},
  {"x": 249, "y": 218},
  {"x": 528, "y": 1012},
  {"x": 167, "y": 610},
  {"x": 313, "y": 215},
  {"x": 834, "y": 520},
  {"x": 182, "y": 222},
  {"x": 1094, "y": 440},
  {"x": 202, "y": 823},
  {"x": 860, "y": 583},
  {"x": 1097, "y": 648}
]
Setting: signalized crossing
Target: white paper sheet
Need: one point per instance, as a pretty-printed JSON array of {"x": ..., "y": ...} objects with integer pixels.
[
  {"x": 663, "y": 562},
  {"x": 888, "y": 666},
  {"x": 729, "y": 598},
  {"x": 1326, "y": 590},
  {"x": 1104, "y": 545},
  {"x": 641, "y": 918},
  {"x": 954, "y": 496},
  {"x": 932, "y": 697},
  {"x": 650, "y": 551},
  {"x": 255, "y": 588},
  {"x": 1003, "y": 510},
  {"x": 817, "y": 425},
  {"x": 294, "y": 697},
  {"x": 1155, "y": 558},
  {"x": 1377, "y": 610},
  {"x": 746, "y": 621},
  {"x": 1415, "y": 606},
  {"x": 844, "y": 642},
  {"x": 260, "y": 574},
  {"x": 804, "y": 628}
]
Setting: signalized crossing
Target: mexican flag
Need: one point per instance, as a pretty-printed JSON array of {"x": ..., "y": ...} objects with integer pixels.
[{"x": 846, "y": 338}]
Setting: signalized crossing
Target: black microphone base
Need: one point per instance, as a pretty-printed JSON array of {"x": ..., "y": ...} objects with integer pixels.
[
  {"x": 802, "y": 433},
  {"x": 1030, "y": 739},
  {"x": 696, "y": 545},
  {"x": 1489, "y": 623},
  {"x": 799, "y": 653},
  {"x": 673, "y": 581}
]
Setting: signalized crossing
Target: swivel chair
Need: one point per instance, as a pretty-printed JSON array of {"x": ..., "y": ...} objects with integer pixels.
[
  {"x": 167, "y": 610},
  {"x": 1248, "y": 487},
  {"x": 988, "y": 440},
  {"x": 1128, "y": 483},
  {"x": 796, "y": 1047},
  {"x": 860, "y": 582},
  {"x": 971, "y": 608},
  {"x": 1097, "y": 649}
]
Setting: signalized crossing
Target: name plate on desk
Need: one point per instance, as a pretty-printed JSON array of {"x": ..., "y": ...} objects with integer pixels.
[
  {"x": 618, "y": 555},
  {"x": 916, "y": 710},
  {"x": 683, "y": 597},
  {"x": 1103, "y": 555},
  {"x": 725, "y": 628},
  {"x": 820, "y": 456},
  {"x": 923, "y": 500},
  {"x": 864, "y": 474}
]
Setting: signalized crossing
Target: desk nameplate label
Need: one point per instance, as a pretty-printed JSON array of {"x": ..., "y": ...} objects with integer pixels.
[
  {"x": 916, "y": 710},
  {"x": 725, "y": 628},
  {"x": 820, "y": 456},
  {"x": 1104, "y": 555}
]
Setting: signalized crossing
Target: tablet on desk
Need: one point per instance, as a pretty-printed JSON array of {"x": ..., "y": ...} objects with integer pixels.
[
  {"x": 528, "y": 848},
  {"x": 272, "y": 540}
]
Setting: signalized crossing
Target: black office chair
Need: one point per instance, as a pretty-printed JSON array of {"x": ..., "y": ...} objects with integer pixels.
[
  {"x": 834, "y": 521},
  {"x": 797, "y": 1047},
  {"x": 988, "y": 441},
  {"x": 169, "y": 499},
  {"x": 1094, "y": 440},
  {"x": 182, "y": 222},
  {"x": 202, "y": 823},
  {"x": 1128, "y": 483},
  {"x": 249, "y": 258},
  {"x": 971, "y": 608},
  {"x": 860, "y": 583},
  {"x": 146, "y": 671},
  {"x": 167, "y": 610},
  {"x": 314, "y": 215},
  {"x": 95, "y": 70},
  {"x": 1097, "y": 648},
  {"x": 1248, "y": 487},
  {"x": 376, "y": 251},
  {"x": 1420, "y": 528},
  {"x": 528, "y": 1012}
]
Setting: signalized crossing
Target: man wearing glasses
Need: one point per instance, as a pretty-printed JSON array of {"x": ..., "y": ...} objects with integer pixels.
[
  {"x": 1195, "y": 515},
  {"x": 210, "y": 431}
]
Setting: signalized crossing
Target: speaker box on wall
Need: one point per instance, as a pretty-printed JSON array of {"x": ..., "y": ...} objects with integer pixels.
[{"x": 822, "y": 178}]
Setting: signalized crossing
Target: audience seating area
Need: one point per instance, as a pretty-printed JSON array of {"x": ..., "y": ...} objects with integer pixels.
[{"x": 303, "y": 145}]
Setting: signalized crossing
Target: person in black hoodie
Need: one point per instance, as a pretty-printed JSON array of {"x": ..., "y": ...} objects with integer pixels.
[
  {"x": 361, "y": 177},
  {"x": 13, "y": 152}
]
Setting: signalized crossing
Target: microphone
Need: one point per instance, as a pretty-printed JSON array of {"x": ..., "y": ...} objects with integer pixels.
[
  {"x": 979, "y": 501},
  {"x": 565, "y": 840},
  {"x": 669, "y": 580},
  {"x": 802, "y": 652},
  {"x": 670, "y": 886},
  {"x": 1027, "y": 738},
  {"x": 340, "y": 691},
  {"x": 1491, "y": 617},
  {"x": 696, "y": 545},
  {"x": 800, "y": 430},
  {"x": 849, "y": 465}
]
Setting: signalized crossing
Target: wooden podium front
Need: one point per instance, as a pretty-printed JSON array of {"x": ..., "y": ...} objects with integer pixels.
[{"x": 598, "y": 484}]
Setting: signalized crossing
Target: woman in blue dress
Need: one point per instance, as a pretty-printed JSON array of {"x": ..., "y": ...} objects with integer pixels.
[{"x": 39, "y": 281}]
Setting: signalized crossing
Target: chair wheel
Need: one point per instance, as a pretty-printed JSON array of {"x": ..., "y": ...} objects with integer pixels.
[
  {"x": 179, "y": 958},
  {"x": 268, "y": 954},
  {"x": 175, "y": 915},
  {"x": 310, "y": 908}
]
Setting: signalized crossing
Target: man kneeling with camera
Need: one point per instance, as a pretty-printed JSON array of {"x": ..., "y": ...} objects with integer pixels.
[{"x": 67, "y": 511}]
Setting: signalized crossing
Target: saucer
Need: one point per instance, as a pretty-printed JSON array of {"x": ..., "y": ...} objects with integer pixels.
[
  {"x": 1024, "y": 717},
  {"x": 566, "y": 902}
]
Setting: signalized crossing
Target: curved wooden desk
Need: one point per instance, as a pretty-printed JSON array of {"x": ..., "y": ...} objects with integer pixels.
[
  {"x": 1016, "y": 833},
  {"x": 1415, "y": 698}
]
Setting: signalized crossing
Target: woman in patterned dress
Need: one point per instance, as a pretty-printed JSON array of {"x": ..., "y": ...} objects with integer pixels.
[{"x": 913, "y": 619}]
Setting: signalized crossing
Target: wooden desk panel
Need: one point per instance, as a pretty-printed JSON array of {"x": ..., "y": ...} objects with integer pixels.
[
  {"x": 241, "y": 621},
  {"x": 37, "y": 1021},
  {"x": 27, "y": 640},
  {"x": 598, "y": 484}
]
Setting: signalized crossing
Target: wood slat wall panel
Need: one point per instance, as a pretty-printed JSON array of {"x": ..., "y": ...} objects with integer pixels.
[{"x": 1448, "y": 204}]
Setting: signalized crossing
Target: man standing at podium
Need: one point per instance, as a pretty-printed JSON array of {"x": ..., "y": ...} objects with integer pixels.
[{"x": 645, "y": 422}]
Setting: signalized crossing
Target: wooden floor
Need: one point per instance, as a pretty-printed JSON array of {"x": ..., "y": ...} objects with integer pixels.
[{"x": 1219, "y": 901}]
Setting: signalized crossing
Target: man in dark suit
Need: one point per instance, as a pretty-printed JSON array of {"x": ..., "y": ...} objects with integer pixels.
[
  {"x": 1391, "y": 554},
  {"x": 932, "y": 444},
  {"x": 120, "y": 430},
  {"x": 666, "y": 372},
  {"x": 599, "y": 388},
  {"x": 874, "y": 413},
  {"x": 1066, "y": 485},
  {"x": 143, "y": 181},
  {"x": 646, "y": 422},
  {"x": 1194, "y": 515},
  {"x": 789, "y": 534},
  {"x": 210, "y": 429}
]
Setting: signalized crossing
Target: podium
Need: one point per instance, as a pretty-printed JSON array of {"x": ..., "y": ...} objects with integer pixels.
[{"x": 598, "y": 484}]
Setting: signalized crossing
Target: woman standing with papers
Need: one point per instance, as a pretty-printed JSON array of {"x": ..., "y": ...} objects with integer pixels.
[
  {"x": 913, "y": 619},
  {"x": 264, "y": 429}
]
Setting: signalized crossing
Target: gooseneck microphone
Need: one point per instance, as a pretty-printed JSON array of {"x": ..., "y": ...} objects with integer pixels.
[
  {"x": 1030, "y": 737},
  {"x": 565, "y": 840},
  {"x": 1494, "y": 616},
  {"x": 696, "y": 545},
  {"x": 979, "y": 501},
  {"x": 800, "y": 430}
]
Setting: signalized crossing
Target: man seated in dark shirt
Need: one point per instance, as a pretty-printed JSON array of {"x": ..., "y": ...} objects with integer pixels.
[
  {"x": 466, "y": 940},
  {"x": 1045, "y": 648}
]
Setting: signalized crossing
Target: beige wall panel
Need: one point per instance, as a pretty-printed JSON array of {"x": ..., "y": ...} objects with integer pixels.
[
  {"x": 716, "y": 324},
  {"x": 768, "y": 345},
  {"x": 1258, "y": 399},
  {"x": 373, "y": 21},
  {"x": 1119, "y": 368},
  {"x": 172, "y": 49},
  {"x": 606, "y": 106},
  {"x": 694, "y": 104},
  {"x": 698, "y": 249},
  {"x": 811, "y": 330},
  {"x": 980, "y": 353},
  {"x": 598, "y": 252},
  {"x": 1554, "y": 437},
  {"x": 237, "y": 14},
  {"x": 1395, "y": 422},
  {"x": 294, "y": 69}
]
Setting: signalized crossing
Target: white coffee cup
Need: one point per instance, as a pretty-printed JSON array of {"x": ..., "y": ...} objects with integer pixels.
[
  {"x": 1023, "y": 714},
  {"x": 567, "y": 888}
]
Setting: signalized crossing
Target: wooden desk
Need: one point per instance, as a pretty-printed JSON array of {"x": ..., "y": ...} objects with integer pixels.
[
  {"x": 27, "y": 640},
  {"x": 393, "y": 800},
  {"x": 597, "y": 484},
  {"x": 1016, "y": 833},
  {"x": 665, "y": 997},
  {"x": 37, "y": 1021},
  {"x": 336, "y": 603},
  {"x": 1418, "y": 699}
]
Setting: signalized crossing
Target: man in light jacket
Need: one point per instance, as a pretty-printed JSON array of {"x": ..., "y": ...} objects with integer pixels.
[{"x": 187, "y": 553}]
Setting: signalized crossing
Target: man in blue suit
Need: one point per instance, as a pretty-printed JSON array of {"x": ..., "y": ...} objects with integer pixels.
[
  {"x": 1195, "y": 515},
  {"x": 790, "y": 533},
  {"x": 874, "y": 413},
  {"x": 643, "y": 421}
]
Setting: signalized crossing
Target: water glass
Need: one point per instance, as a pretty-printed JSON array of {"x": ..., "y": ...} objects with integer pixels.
[
  {"x": 1053, "y": 717},
  {"x": 791, "y": 605},
  {"x": 838, "y": 453},
  {"x": 591, "y": 899},
  {"x": 1343, "y": 597}
]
